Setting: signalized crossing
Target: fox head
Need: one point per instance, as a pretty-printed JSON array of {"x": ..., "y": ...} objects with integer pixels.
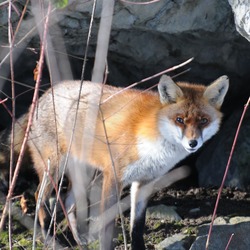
[{"x": 190, "y": 113}]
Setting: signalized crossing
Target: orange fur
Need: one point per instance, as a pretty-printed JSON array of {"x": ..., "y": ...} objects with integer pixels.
[{"x": 140, "y": 134}]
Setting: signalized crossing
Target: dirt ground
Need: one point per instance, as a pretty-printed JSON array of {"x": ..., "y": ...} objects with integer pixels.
[{"x": 194, "y": 205}]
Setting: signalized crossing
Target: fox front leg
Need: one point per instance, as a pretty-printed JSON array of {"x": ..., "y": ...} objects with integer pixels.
[{"x": 139, "y": 200}]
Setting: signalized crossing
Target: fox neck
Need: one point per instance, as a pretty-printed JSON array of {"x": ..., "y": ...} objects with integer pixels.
[
  {"x": 157, "y": 149},
  {"x": 155, "y": 158}
]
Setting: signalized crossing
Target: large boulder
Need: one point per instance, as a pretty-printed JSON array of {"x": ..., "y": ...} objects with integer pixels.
[
  {"x": 212, "y": 162},
  {"x": 145, "y": 40}
]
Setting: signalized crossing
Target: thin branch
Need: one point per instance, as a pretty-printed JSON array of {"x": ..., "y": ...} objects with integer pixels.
[
  {"x": 117, "y": 189},
  {"x": 155, "y": 185},
  {"x": 100, "y": 75},
  {"x": 88, "y": 43},
  {"x": 3, "y": 101},
  {"x": 29, "y": 87},
  {"x": 140, "y": 3},
  {"x": 11, "y": 37},
  {"x": 142, "y": 91},
  {"x": 229, "y": 241},
  {"x": 24, "y": 39},
  {"x": 32, "y": 110},
  {"x": 4, "y": 3},
  {"x": 103, "y": 40},
  {"x": 74, "y": 123},
  {"x": 226, "y": 171},
  {"x": 39, "y": 200},
  {"x": 21, "y": 19},
  {"x": 11, "y": 41},
  {"x": 149, "y": 78}
]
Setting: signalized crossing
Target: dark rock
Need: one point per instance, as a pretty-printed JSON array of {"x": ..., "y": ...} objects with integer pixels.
[
  {"x": 212, "y": 161},
  {"x": 221, "y": 234},
  {"x": 145, "y": 40}
]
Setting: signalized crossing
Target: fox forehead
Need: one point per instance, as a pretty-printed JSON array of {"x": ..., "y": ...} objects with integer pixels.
[
  {"x": 192, "y": 95},
  {"x": 191, "y": 88},
  {"x": 192, "y": 105}
]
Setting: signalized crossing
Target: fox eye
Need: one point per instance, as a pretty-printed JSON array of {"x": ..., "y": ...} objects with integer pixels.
[
  {"x": 203, "y": 121},
  {"x": 179, "y": 120}
]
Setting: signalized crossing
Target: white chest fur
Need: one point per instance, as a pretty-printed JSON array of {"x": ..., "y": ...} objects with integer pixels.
[{"x": 155, "y": 159}]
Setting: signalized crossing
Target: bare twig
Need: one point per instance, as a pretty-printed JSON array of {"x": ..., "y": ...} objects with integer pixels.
[
  {"x": 74, "y": 124},
  {"x": 103, "y": 40},
  {"x": 140, "y": 3},
  {"x": 88, "y": 42},
  {"x": 100, "y": 75},
  {"x": 6, "y": 2},
  {"x": 225, "y": 173},
  {"x": 155, "y": 185},
  {"x": 117, "y": 191},
  {"x": 38, "y": 202},
  {"x": 23, "y": 219},
  {"x": 24, "y": 39},
  {"x": 142, "y": 91},
  {"x": 229, "y": 241},
  {"x": 32, "y": 110},
  {"x": 3, "y": 101},
  {"x": 11, "y": 37},
  {"x": 20, "y": 20},
  {"x": 149, "y": 78},
  {"x": 11, "y": 41}
]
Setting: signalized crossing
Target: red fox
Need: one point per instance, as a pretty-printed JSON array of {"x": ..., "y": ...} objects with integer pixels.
[{"x": 137, "y": 136}]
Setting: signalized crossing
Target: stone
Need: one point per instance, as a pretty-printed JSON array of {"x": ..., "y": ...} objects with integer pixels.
[
  {"x": 212, "y": 161},
  {"x": 162, "y": 212},
  {"x": 145, "y": 39},
  {"x": 175, "y": 242},
  {"x": 239, "y": 219},
  {"x": 241, "y": 11},
  {"x": 221, "y": 234}
]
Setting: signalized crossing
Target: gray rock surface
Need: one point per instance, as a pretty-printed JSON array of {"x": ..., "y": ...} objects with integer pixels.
[
  {"x": 221, "y": 234},
  {"x": 241, "y": 9},
  {"x": 175, "y": 242},
  {"x": 223, "y": 229},
  {"x": 145, "y": 40},
  {"x": 162, "y": 212}
]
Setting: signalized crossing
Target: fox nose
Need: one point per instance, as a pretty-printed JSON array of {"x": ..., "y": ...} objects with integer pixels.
[{"x": 193, "y": 143}]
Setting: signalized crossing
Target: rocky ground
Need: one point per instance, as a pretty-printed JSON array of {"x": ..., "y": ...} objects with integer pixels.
[
  {"x": 195, "y": 207},
  {"x": 176, "y": 219}
]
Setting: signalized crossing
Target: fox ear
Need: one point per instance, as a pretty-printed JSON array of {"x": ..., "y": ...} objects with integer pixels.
[
  {"x": 216, "y": 92},
  {"x": 169, "y": 91}
]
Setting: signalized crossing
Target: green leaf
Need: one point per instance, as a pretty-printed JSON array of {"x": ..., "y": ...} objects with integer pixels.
[{"x": 60, "y": 4}]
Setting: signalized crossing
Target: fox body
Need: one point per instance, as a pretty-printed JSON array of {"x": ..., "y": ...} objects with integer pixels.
[
  {"x": 5, "y": 142},
  {"x": 134, "y": 138}
]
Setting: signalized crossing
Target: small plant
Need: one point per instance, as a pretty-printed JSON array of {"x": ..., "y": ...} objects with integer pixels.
[
  {"x": 190, "y": 231},
  {"x": 94, "y": 245},
  {"x": 60, "y": 4}
]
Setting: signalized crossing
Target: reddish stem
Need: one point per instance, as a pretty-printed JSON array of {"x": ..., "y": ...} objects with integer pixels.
[{"x": 225, "y": 173}]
